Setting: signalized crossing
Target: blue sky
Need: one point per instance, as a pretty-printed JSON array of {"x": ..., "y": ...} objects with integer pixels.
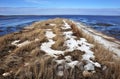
[{"x": 44, "y": 7}]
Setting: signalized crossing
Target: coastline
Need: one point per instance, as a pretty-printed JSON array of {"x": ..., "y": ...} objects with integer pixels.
[
  {"x": 59, "y": 48},
  {"x": 108, "y": 42}
]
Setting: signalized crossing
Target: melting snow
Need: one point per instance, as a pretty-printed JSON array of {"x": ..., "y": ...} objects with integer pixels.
[
  {"x": 49, "y": 34},
  {"x": 72, "y": 64},
  {"x": 47, "y": 48},
  {"x": 52, "y": 24},
  {"x": 15, "y": 42},
  {"x": 72, "y": 44},
  {"x": 60, "y": 61},
  {"x": 89, "y": 66},
  {"x": 20, "y": 44},
  {"x": 66, "y": 25},
  {"x": 47, "y": 45},
  {"x": 68, "y": 58},
  {"x": 24, "y": 43}
]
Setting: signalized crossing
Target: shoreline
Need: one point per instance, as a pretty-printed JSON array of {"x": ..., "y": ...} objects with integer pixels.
[
  {"x": 109, "y": 42},
  {"x": 58, "y": 48}
]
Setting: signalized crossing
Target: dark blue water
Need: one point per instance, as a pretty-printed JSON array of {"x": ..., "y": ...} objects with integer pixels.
[{"x": 109, "y": 25}]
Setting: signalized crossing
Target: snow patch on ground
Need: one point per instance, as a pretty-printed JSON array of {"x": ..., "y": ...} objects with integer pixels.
[
  {"x": 20, "y": 44},
  {"x": 49, "y": 34},
  {"x": 72, "y": 64},
  {"x": 24, "y": 43},
  {"x": 66, "y": 25},
  {"x": 52, "y": 24},
  {"x": 46, "y": 47},
  {"x": 15, "y": 42}
]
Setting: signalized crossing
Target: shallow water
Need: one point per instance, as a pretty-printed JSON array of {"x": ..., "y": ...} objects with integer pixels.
[{"x": 109, "y": 25}]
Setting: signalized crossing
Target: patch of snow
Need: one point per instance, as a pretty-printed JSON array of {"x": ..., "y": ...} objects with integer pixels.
[
  {"x": 71, "y": 44},
  {"x": 23, "y": 43},
  {"x": 60, "y": 61},
  {"x": 52, "y": 24},
  {"x": 49, "y": 34},
  {"x": 66, "y": 25},
  {"x": 20, "y": 44},
  {"x": 69, "y": 34},
  {"x": 15, "y": 42},
  {"x": 46, "y": 47},
  {"x": 81, "y": 45},
  {"x": 68, "y": 58},
  {"x": 72, "y": 64},
  {"x": 89, "y": 66},
  {"x": 97, "y": 64}
]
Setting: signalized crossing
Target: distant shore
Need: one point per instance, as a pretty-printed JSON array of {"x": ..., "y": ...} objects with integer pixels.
[{"x": 108, "y": 25}]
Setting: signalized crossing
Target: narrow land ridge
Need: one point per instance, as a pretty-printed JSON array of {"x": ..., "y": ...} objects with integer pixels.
[{"x": 57, "y": 49}]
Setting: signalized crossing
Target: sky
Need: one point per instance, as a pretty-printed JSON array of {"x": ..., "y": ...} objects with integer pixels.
[{"x": 59, "y": 7}]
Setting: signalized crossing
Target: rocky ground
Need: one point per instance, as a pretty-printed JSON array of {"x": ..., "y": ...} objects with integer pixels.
[{"x": 56, "y": 49}]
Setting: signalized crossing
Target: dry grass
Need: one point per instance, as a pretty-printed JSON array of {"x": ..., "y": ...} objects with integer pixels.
[
  {"x": 59, "y": 43},
  {"x": 29, "y": 62},
  {"x": 105, "y": 57}
]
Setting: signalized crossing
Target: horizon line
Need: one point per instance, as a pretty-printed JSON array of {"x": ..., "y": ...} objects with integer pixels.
[{"x": 55, "y": 15}]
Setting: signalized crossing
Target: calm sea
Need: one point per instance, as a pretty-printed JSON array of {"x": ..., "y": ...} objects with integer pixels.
[{"x": 109, "y": 25}]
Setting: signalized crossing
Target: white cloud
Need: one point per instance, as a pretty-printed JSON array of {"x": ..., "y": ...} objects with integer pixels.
[
  {"x": 38, "y": 1},
  {"x": 57, "y": 11}
]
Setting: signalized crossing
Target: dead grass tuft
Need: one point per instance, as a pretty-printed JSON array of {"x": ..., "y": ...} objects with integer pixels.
[
  {"x": 59, "y": 44},
  {"x": 76, "y": 55}
]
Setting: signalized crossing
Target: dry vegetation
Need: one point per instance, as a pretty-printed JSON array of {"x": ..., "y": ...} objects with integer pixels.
[{"x": 29, "y": 62}]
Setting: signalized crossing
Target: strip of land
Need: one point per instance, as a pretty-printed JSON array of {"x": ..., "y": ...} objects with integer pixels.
[{"x": 58, "y": 49}]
